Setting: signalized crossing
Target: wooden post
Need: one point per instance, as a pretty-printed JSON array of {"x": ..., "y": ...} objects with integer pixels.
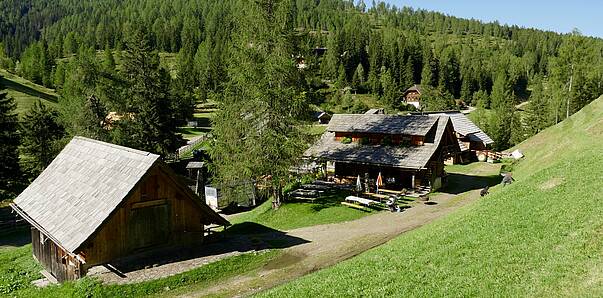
[{"x": 197, "y": 183}]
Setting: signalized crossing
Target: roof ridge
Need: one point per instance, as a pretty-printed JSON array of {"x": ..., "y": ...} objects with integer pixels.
[{"x": 132, "y": 150}]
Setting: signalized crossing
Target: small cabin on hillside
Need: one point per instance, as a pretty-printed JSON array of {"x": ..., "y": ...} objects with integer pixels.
[
  {"x": 409, "y": 151},
  {"x": 412, "y": 96},
  {"x": 472, "y": 140},
  {"x": 322, "y": 117},
  {"x": 98, "y": 202}
]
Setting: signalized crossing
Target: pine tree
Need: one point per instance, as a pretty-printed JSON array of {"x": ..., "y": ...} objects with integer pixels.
[
  {"x": 41, "y": 134},
  {"x": 11, "y": 176}
]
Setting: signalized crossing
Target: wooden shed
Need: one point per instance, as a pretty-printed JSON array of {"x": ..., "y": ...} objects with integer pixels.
[{"x": 98, "y": 202}]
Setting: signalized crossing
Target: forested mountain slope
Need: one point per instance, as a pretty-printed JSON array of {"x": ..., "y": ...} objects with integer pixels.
[
  {"x": 377, "y": 52},
  {"x": 540, "y": 236}
]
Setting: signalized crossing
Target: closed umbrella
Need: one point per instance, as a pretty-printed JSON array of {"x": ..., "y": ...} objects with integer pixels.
[
  {"x": 358, "y": 185},
  {"x": 379, "y": 182}
]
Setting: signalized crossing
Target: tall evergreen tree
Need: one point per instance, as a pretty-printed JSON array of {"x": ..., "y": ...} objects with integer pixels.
[
  {"x": 256, "y": 131},
  {"x": 41, "y": 135},
  {"x": 538, "y": 116},
  {"x": 503, "y": 107},
  {"x": 11, "y": 176},
  {"x": 391, "y": 90},
  {"x": 149, "y": 109}
]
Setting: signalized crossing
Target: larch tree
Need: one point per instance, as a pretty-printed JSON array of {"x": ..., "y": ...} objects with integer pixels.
[{"x": 257, "y": 136}]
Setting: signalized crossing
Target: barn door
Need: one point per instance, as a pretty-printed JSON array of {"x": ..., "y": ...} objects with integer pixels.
[{"x": 148, "y": 226}]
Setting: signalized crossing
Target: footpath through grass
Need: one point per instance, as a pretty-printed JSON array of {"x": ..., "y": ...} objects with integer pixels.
[{"x": 540, "y": 236}]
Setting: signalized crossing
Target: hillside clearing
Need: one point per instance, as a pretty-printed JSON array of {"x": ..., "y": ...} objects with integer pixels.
[
  {"x": 521, "y": 240},
  {"x": 25, "y": 92},
  {"x": 332, "y": 243}
]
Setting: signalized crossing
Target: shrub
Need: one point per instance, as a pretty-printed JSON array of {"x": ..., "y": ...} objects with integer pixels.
[{"x": 346, "y": 140}]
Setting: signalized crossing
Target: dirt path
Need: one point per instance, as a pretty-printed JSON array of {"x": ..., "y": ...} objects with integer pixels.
[{"x": 333, "y": 243}]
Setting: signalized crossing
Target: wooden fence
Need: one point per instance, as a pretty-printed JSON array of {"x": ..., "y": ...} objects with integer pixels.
[{"x": 191, "y": 144}]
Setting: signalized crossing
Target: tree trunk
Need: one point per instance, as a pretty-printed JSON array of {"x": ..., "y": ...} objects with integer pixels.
[
  {"x": 569, "y": 95},
  {"x": 276, "y": 197}
]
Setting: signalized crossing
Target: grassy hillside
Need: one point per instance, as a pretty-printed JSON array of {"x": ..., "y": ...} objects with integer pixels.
[
  {"x": 25, "y": 92},
  {"x": 541, "y": 236}
]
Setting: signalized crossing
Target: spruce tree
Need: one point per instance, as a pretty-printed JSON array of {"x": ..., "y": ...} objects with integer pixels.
[
  {"x": 358, "y": 78},
  {"x": 41, "y": 133},
  {"x": 109, "y": 60},
  {"x": 149, "y": 111},
  {"x": 11, "y": 176},
  {"x": 537, "y": 112},
  {"x": 503, "y": 112}
]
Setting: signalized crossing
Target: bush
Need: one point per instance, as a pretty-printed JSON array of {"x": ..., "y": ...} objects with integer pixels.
[
  {"x": 387, "y": 141},
  {"x": 346, "y": 140}
]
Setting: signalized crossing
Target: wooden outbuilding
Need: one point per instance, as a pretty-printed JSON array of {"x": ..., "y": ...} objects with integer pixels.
[
  {"x": 409, "y": 151},
  {"x": 472, "y": 140},
  {"x": 97, "y": 203}
]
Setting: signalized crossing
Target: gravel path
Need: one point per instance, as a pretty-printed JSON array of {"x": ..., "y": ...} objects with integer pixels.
[{"x": 326, "y": 245}]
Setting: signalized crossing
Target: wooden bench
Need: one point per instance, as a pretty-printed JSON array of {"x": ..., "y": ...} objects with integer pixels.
[{"x": 353, "y": 205}]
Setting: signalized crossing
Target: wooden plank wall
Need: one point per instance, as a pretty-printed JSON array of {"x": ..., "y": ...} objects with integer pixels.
[
  {"x": 53, "y": 258},
  {"x": 113, "y": 240}
]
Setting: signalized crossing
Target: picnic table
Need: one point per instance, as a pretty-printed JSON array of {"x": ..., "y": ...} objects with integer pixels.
[
  {"x": 361, "y": 201},
  {"x": 377, "y": 196}
]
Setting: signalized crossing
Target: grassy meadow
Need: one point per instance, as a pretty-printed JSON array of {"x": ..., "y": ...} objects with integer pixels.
[
  {"x": 18, "y": 269},
  {"x": 25, "y": 92},
  {"x": 540, "y": 236},
  {"x": 298, "y": 214}
]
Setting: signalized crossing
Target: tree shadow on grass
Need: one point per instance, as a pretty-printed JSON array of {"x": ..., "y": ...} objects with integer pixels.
[
  {"x": 460, "y": 183},
  {"x": 19, "y": 237},
  {"x": 27, "y": 90},
  {"x": 241, "y": 238}
]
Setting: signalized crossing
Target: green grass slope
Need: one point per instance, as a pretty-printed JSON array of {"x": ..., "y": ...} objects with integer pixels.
[
  {"x": 25, "y": 92},
  {"x": 541, "y": 236}
]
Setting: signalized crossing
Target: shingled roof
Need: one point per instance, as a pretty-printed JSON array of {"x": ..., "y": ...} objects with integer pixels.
[
  {"x": 411, "y": 157},
  {"x": 82, "y": 187},
  {"x": 417, "y": 125},
  {"x": 465, "y": 127},
  {"x": 414, "y": 88}
]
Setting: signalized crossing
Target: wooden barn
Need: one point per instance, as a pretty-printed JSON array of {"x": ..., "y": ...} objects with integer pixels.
[
  {"x": 472, "y": 140},
  {"x": 98, "y": 202},
  {"x": 412, "y": 96},
  {"x": 409, "y": 151}
]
